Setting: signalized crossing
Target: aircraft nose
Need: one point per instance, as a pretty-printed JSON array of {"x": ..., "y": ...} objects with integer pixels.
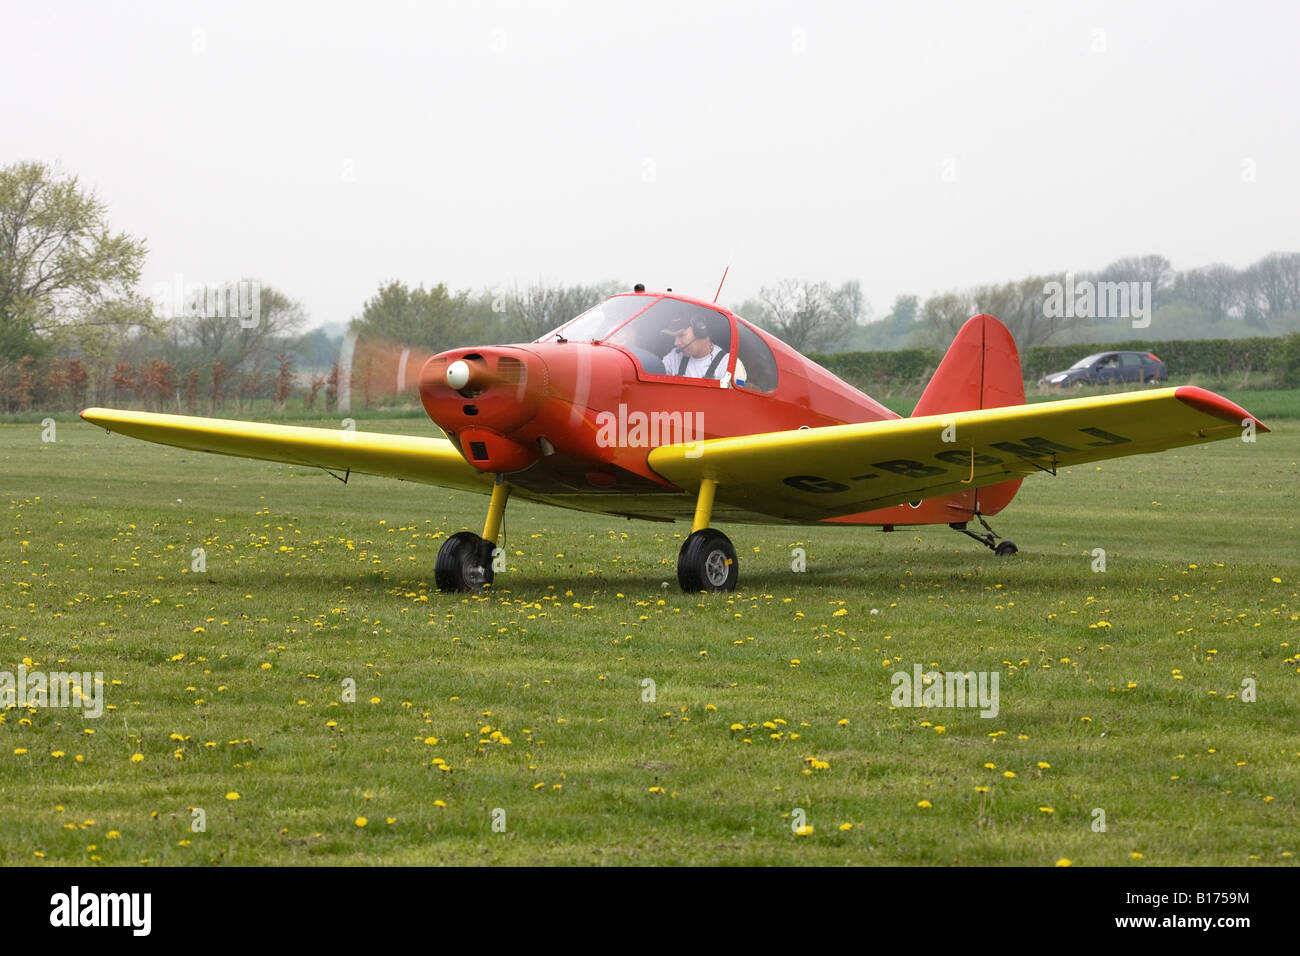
[{"x": 480, "y": 397}]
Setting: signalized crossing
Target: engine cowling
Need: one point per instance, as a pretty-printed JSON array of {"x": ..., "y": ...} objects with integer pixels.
[{"x": 481, "y": 397}]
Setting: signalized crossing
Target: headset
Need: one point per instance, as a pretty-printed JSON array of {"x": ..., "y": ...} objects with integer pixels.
[{"x": 699, "y": 327}]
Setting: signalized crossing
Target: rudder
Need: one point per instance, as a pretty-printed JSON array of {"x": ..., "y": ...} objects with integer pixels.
[{"x": 981, "y": 369}]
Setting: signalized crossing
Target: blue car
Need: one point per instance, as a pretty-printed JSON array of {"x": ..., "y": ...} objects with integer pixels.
[{"x": 1107, "y": 367}]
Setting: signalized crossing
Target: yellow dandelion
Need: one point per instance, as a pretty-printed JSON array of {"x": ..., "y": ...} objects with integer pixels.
[
  {"x": 924, "y": 804},
  {"x": 1062, "y": 862},
  {"x": 361, "y": 821},
  {"x": 232, "y": 795},
  {"x": 136, "y": 758}
]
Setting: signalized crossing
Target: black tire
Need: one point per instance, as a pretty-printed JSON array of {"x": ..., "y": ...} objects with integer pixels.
[
  {"x": 464, "y": 563},
  {"x": 707, "y": 562},
  {"x": 1005, "y": 548}
]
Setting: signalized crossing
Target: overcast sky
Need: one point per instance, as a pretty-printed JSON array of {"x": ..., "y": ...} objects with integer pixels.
[{"x": 915, "y": 147}]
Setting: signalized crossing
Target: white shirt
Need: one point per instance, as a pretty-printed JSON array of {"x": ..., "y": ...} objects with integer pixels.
[{"x": 695, "y": 367}]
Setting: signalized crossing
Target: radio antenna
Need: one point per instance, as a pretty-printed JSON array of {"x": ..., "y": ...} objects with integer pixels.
[{"x": 724, "y": 279}]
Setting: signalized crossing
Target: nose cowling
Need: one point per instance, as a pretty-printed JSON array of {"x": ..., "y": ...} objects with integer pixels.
[{"x": 481, "y": 398}]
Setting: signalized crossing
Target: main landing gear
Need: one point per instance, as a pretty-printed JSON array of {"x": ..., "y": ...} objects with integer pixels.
[
  {"x": 1000, "y": 548},
  {"x": 465, "y": 559},
  {"x": 707, "y": 560}
]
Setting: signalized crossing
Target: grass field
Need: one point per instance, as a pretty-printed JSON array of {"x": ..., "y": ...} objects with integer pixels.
[{"x": 1121, "y": 691}]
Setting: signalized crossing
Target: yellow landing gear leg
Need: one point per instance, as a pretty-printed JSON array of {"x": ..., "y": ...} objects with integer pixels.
[
  {"x": 707, "y": 561},
  {"x": 496, "y": 509},
  {"x": 704, "y": 505},
  {"x": 465, "y": 559}
]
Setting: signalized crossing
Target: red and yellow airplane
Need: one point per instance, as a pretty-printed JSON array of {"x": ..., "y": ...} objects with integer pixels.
[{"x": 657, "y": 406}]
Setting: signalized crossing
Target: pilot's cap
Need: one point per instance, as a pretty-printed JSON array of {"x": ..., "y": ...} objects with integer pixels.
[{"x": 696, "y": 324}]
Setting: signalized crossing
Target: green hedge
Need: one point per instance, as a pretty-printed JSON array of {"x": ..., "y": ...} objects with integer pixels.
[
  {"x": 1279, "y": 356},
  {"x": 865, "y": 369}
]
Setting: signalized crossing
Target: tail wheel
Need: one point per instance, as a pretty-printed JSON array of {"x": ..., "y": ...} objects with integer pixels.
[
  {"x": 707, "y": 562},
  {"x": 464, "y": 563}
]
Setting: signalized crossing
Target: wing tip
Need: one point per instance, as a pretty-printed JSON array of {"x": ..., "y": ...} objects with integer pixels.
[{"x": 1203, "y": 400}]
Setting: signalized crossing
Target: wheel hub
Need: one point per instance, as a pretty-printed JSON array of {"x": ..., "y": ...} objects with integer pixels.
[{"x": 715, "y": 568}]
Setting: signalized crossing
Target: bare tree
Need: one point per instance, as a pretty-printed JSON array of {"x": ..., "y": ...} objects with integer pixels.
[
  {"x": 1024, "y": 307},
  {"x": 239, "y": 337},
  {"x": 541, "y": 307},
  {"x": 1217, "y": 289},
  {"x": 809, "y": 316},
  {"x": 1153, "y": 269},
  {"x": 1274, "y": 285},
  {"x": 941, "y": 318}
]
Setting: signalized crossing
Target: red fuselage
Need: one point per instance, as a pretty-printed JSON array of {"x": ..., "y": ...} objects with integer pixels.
[{"x": 577, "y": 416}]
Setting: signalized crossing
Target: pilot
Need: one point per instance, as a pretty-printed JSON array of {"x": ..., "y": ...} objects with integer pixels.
[{"x": 693, "y": 354}]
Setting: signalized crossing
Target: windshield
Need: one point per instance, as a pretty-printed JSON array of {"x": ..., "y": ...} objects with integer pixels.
[
  {"x": 599, "y": 321},
  {"x": 1085, "y": 362},
  {"x": 652, "y": 337}
]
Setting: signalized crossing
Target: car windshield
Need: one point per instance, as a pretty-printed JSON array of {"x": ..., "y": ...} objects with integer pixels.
[
  {"x": 1085, "y": 362},
  {"x": 599, "y": 321}
]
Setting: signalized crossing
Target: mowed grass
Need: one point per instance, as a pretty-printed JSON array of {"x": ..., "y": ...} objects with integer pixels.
[{"x": 1120, "y": 691}]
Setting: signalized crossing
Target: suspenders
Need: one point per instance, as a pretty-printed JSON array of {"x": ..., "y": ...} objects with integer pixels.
[{"x": 713, "y": 366}]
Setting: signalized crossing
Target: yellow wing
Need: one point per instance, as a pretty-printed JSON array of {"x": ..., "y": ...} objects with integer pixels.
[
  {"x": 433, "y": 461},
  {"x": 821, "y": 473}
]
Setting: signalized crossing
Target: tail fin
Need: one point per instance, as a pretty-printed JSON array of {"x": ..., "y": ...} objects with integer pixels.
[{"x": 980, "y": 370}]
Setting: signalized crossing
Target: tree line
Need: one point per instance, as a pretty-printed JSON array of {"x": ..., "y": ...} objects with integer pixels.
[{"x": 74, "y": 330}]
